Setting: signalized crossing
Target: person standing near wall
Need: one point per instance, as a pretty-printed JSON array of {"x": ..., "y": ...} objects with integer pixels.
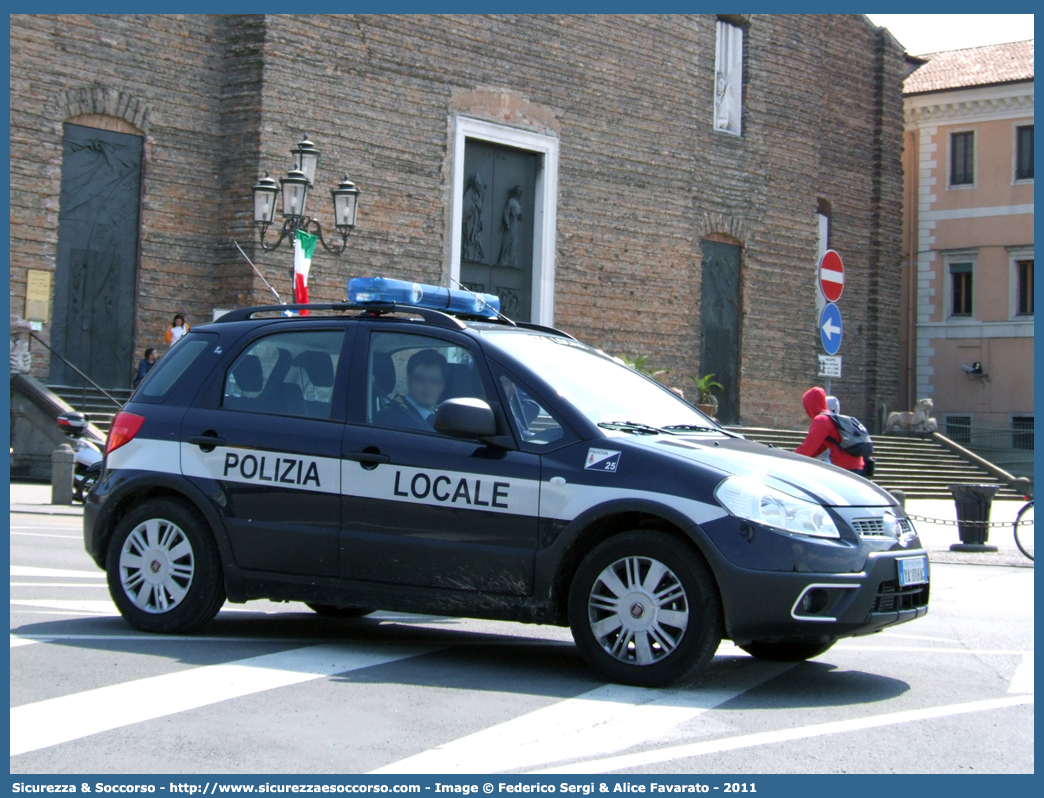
[{"x": 177, "y": 329}]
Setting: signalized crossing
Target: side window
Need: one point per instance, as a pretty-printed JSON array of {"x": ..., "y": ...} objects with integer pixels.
[
  {"x": 286, "y": 374},
  {"x": 408, "y": 376},
  {"x": 531, "y": 421}
]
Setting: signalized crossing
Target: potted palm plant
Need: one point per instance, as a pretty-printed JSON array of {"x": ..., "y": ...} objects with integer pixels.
[
  {"x": 706, "y": 402},
  {"x": 641, "y": 364}
]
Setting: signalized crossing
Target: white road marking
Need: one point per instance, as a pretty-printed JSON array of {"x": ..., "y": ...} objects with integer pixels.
[
  {"x": 28, "y": 570},
  {"x": 918, "y": 637},
  {"x": 59, "y": 584},
  {"x": 1000, "y": 652},
  {"x": 18, "y": 642},
  {"x": 1022, "y": 681},
  {"x": 93, "y": 606},
  {"x": 48, "y": 526},
  {"x": 627, "y": 761},
  {"x": 59, "y": 720},
  {"x": 608, "y": 718},
  {"x": 42, "y": 535}
]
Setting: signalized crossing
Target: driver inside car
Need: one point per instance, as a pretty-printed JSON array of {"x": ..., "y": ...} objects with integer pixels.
[{"x": 425, "y": 381}]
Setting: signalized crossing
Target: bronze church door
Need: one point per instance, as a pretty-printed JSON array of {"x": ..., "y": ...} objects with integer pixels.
[
  {"x": 496, "y": 252},
  {"x": 720, "y": 324},
  {"x": 96, "y": 263}
]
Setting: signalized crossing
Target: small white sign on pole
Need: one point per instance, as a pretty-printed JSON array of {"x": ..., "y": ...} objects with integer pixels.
[{"x": 829, "y": 365}]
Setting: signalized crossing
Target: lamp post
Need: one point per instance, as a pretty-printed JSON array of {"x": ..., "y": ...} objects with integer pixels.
[{"x": 295, "y": 187}]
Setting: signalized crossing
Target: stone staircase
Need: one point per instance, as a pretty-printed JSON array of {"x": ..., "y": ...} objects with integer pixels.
[
  {"x": 99, "y": 409},
  {"x": 920, "y": 466}
]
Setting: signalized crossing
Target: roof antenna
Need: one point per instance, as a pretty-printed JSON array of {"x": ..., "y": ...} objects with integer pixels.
[
  {"x": 500, "y": 315},
  {"x": 252, "y": 266}
]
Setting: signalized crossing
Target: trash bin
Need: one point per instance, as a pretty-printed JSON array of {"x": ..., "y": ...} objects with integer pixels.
[{"x": 973, "y": 511}]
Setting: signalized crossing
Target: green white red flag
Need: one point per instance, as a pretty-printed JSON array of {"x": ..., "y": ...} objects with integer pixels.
[{"x": 304, "y": 246}]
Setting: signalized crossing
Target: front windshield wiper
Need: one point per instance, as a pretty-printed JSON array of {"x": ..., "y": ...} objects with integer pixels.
[
  {"x": 699, "y": 428},
  {"x": 631, "y": 426}
]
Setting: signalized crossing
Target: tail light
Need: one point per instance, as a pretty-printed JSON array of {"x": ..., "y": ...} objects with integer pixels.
[{"x": 124, "y": 427}]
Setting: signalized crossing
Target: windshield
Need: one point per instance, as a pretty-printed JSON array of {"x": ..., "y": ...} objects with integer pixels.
[{"x": 600, "y": 388}]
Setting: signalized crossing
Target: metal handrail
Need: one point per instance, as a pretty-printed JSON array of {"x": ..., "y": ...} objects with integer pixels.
[{"x": 105, "y": 393}]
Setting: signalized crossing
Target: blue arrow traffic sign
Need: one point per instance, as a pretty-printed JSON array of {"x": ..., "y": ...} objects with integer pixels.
[{"x": 830, "y": 328}]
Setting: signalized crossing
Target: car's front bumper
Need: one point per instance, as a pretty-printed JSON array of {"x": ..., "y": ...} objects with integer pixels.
[{"x": 768, "y": 606}]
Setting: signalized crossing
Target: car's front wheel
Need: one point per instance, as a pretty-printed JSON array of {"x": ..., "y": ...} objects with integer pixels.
[
  {"x": 163, "y": 568},
  {"x": 644, "y": 609},
  {"x": 788, "y": 650}
]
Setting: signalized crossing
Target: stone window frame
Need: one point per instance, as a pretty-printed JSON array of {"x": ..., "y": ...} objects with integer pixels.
[
  {"x": 1015, "y": 255},
  {"x": 950, "y": 259},
  {"x": 545, "y": 203},
  {"x": 1015, "y": 127},
  {"x": 950, "y": 185}
]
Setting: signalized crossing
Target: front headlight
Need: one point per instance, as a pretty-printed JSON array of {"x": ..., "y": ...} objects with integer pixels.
[{"x": 755, "y": 501}]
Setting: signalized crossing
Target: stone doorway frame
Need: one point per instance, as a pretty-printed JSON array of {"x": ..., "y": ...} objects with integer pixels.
[{"x": 545, "y": 203}]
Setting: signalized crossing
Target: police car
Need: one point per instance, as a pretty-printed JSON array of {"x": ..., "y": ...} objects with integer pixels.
[{"x": 413, "y": 450}]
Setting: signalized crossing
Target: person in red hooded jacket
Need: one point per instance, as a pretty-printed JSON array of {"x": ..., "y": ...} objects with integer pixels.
[{"x": 822, "y": 434}]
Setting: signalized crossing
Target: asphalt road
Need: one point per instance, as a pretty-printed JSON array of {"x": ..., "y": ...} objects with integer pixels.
[{"x": 273, "y": 688}]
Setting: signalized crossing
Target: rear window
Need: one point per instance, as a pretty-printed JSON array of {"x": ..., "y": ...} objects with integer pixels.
[{"x": 169, "y": 369}]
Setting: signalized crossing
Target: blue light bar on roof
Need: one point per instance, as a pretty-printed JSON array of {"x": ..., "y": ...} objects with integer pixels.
[{"x": 366, "y": 290}]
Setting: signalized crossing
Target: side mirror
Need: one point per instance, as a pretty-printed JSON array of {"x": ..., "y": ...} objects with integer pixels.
[{"x": 468, "y": 418}]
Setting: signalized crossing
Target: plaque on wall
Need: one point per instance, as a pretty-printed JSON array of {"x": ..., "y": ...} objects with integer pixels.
[{"x": 38, "y": 295}]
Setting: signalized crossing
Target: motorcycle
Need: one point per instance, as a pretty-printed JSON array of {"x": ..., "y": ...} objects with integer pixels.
[{"x": 88, "y": 458}]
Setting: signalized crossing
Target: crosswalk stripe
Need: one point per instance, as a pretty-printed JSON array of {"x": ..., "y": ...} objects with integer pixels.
[
  {"x": 28, "y": 570},
  {"x": 606, "y": 719},
  {"x": 628, "y": 761},
  {"x": 59, "y": 720},
  {"x": 95, "y": 606},
  {"x": 1022, "y": 681}
]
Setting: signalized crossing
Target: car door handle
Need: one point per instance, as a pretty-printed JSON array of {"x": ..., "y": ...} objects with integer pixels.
[
  {"x": 368, "y": 457},
  {"x": 203, "y": 441}
]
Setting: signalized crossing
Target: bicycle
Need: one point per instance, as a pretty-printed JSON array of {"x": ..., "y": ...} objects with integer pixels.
[{"x": 1024, "y": 529}]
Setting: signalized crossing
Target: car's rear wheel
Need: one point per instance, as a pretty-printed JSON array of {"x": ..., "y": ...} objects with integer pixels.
[
  {"x": 163, "y": 568},
  {"x": 644, "y": 609},
  {"x": 788, "y": 650},
  {"x": 330, "y": 611}
]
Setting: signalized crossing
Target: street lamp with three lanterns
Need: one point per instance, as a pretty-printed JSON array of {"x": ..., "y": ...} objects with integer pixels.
[{"x": 295, "y": 188}]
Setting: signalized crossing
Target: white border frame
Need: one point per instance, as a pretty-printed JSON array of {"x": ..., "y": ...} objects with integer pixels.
[
  {"x": 545, "y": 203},
  {"x": 949, "y": 158}
]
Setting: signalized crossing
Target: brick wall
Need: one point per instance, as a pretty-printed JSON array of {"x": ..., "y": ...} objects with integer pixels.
[{"x": 642, "y": 175}]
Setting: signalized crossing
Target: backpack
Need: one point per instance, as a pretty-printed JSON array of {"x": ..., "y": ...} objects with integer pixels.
[{"x": 852, "y": 437}]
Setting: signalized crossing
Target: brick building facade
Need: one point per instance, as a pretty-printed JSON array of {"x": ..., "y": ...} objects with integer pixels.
[{"x": 621, "y": 113}]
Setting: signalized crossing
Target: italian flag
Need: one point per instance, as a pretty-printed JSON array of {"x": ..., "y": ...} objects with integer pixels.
[{"x": 304, "y": 246}]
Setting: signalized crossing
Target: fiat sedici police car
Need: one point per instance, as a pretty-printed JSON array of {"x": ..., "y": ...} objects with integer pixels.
[{"x": 413, "y": 450}]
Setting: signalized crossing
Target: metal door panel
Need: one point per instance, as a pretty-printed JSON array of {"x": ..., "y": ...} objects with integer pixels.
[
  {"x": 96, "y": 262},
  {"x": 719, "y": 324},
  {"x": 497, "y": 228}
]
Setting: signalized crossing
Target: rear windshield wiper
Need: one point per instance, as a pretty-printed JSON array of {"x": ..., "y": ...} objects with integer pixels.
[{"x": 631, "y": 426}]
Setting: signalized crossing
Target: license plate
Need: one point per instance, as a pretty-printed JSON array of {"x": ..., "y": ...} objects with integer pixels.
[{"x": 913, "y": 571}]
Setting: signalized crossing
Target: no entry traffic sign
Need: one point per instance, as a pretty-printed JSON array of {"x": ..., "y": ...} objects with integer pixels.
[
  {"x": 830, "y": 328},
  {"x": 831, "y": 276}
]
